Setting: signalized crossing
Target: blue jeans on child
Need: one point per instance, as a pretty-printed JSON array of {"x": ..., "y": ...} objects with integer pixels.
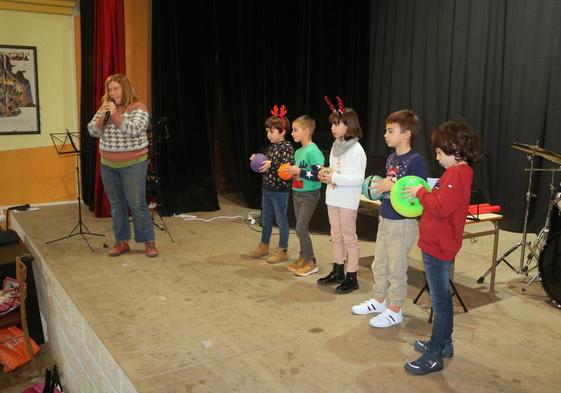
[
  {"x": 275, "y": 204},
  {"x": 126, "y": 189},
  {"x": 438, "y": 277}
]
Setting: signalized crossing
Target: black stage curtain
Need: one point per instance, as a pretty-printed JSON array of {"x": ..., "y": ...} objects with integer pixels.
[
  {"x": 183, "y": 90},
  {"x": 219, "y": 67},
  {"x": 495, "y": 63},
  {"x": 87, "y": 144}
]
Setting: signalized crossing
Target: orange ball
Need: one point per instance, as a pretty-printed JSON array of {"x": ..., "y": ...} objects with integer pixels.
[{"x": 285, "y": 175}]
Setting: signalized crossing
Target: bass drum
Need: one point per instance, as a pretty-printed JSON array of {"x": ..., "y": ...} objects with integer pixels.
[{"x": 550, "y": 268}]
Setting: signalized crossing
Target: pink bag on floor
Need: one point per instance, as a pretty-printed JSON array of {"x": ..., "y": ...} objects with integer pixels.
[
  {"x": 51, "y": 384},
  {"x": 40, "y": 388}
]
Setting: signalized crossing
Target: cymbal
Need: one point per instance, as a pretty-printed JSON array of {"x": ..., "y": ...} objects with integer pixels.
[
  {"x": 538, "y": 151},
  {"x": 530, "y": 149}
]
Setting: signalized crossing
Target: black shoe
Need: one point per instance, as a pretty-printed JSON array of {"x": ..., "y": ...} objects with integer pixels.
[
  {"x": 336, "y": 276},
  {"x": 426, "y": 364},
  {"x": 349, "y": 284}
]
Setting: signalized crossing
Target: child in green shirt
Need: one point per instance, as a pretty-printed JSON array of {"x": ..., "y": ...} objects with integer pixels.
[{"x": 306, "y": 191}]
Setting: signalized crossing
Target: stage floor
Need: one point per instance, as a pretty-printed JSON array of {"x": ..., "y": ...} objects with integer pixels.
[{"x": 204, "y": 317}]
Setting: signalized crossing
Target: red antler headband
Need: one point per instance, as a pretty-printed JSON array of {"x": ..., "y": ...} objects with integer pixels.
[
  {"x": 331, "y": 106},
  {"x": 340, "y": 103},
  {"x": 341, "y": 109},
  {"x": 281, "y": 114}
]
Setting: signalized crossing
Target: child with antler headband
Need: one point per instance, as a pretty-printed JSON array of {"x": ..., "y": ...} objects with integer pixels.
[
  {"x": 275, "y": 190},
  {"x": 344, "y": 177}
]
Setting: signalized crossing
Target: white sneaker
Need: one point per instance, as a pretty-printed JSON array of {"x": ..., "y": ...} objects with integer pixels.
[
  {"x": 369, "y": 307},
  {"x": 386, "y": 319}
]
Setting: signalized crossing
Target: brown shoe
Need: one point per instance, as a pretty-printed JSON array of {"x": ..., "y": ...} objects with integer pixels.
[
  {"x": 261, "y": 251},
  {"x": 295, "y": 265},
  {"x": 150, "y": 249},
  {"x": 279, "y": 256},
  {"x": 307, "y": 268},
  {"x": 119, "y": 248}
]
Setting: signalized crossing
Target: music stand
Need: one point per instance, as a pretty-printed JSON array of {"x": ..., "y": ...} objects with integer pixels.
[
  {"x": 64, "y": 143},
  {"x": 452, "y": 294}
]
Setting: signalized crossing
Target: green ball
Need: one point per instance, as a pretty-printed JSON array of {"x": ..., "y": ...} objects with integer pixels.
[
  {"x": 367, "y": 192},
  {"x": 408, "y": 207}
]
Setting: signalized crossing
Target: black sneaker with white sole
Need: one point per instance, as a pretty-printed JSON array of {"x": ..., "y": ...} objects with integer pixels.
[{"x": 425, "y": 364}]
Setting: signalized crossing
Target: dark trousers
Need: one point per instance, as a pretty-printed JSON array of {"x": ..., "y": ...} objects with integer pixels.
[{"x": 304, "y": 205}]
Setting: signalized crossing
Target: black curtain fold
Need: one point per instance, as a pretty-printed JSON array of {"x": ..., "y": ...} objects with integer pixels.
[
  {"x": 183, "y": 91},
  {"x": 217, "y": 75},
  {"x": 495, "y": 63},
  {"x": 88, "y": 154}
]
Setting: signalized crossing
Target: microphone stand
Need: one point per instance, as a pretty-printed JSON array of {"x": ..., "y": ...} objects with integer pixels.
[{"x": 153, "y": 176}]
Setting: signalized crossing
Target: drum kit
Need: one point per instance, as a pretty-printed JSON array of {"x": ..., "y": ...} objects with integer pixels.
[{"x": 545, "y": 249}]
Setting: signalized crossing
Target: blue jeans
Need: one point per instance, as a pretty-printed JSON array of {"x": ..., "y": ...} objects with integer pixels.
[
  {"x": 438, "y": 277},
  {"x": 126, "y": 189},
  {"x": 275, "y": 204}
]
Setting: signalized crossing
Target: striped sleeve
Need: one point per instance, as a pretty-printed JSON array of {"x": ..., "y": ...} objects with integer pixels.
[
  {"x": 135, "y": 122},
  {"x": 93, "y": 129}
]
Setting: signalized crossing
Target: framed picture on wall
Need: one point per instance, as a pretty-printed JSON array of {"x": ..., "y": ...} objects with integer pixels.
[{"x": 19, "y": 95}]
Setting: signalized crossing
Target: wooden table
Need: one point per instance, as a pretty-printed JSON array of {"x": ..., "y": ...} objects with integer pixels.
[{"x": 493, "y": 218}]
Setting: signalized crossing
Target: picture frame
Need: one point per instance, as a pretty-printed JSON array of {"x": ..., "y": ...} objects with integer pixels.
[{"x": 19, "y": 90}]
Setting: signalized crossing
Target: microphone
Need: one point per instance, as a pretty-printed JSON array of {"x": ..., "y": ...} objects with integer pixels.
[{"x": 107, "y": 115}]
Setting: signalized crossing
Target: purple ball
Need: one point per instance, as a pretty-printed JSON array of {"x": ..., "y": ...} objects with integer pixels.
[{"x": 257, "y": 161}]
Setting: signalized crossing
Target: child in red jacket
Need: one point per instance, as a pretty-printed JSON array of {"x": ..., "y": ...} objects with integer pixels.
[{"x": 440, "y": 234}]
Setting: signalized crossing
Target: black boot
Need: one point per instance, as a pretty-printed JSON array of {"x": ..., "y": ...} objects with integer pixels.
[
  {"x": 349, "y": 284},
  {"x": 336, "y": 276}
]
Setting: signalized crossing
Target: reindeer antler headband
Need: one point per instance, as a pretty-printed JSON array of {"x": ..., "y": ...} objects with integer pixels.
[
  {"x": 282, "y": 113},
  {"x": 341, "y": 108}
]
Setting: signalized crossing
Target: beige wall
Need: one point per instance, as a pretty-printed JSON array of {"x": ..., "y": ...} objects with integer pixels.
[
  {"x": 53, "y": 35},
  {"x": 31, "y": 170}
]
